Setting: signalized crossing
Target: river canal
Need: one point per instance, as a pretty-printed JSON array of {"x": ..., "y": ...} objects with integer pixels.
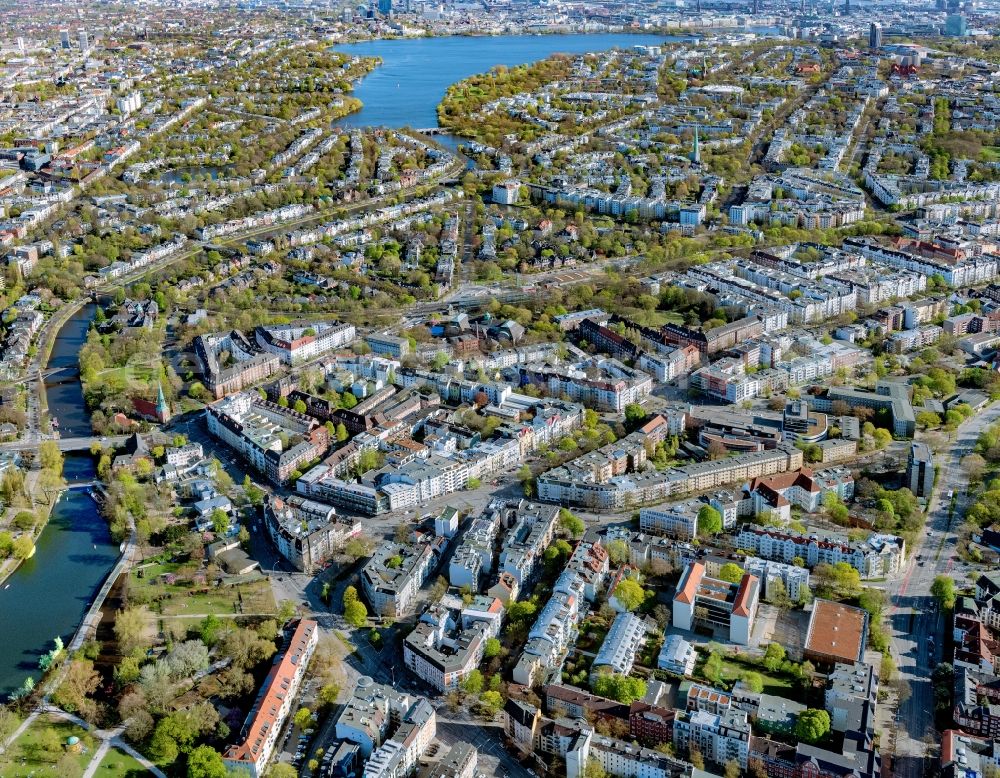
[
  {"x": 62, "y": 387},
  {"x": 49, "y": 593}
]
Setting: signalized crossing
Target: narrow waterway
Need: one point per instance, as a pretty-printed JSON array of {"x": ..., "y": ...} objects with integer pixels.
[
  {"x": 48, "y": 594},
  {"x": 62, "y": 386}
]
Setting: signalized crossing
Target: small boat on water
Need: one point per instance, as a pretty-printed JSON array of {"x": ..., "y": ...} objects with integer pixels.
[{"x": 6, "y": 586}]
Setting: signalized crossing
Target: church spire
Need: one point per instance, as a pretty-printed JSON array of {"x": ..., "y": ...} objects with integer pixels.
[{"x": 162, "y": 409}]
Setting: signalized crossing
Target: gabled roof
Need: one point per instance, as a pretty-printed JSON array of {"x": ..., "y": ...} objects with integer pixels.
[{"x": 691, "y": 580}]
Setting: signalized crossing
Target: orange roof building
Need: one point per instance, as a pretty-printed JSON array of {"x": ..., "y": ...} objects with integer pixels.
[
  {"x": 837, "y": 633},
  {"x": 718, "y": 604},
  {"x": 274, "y": 702}
]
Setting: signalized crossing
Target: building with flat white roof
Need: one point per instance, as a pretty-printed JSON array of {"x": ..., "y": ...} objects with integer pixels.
[
  {"x": 677, "y": 656},
  {"x": 621, "y": 645}
]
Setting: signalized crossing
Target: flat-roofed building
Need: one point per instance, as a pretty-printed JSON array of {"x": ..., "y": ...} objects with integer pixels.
[
  {"x": 920, "y": 470},
  {"x": 837, "y": 633}
]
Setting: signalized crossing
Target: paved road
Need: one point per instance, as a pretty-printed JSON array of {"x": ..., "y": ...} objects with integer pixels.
[{"x": 912, "y": 601}]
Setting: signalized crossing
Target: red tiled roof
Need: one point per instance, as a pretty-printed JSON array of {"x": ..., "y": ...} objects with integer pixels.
[
  {"x": 691, "y": 582},
  {"x": 741, "y": 605},
  {"x": 803, "y": 478},
  {"x": 276, "y": 686}
]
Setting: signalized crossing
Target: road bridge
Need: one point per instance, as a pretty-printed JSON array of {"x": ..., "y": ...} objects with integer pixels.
[{"x": 80, "y": 443}]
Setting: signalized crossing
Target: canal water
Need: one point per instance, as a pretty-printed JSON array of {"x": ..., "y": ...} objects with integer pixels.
[
  {"x": 62, "y": 387},
  {"x": 48, "y": 594},
  {"x": 415, "y": 73}
]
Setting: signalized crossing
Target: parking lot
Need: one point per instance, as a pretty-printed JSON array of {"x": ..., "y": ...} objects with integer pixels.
[{"x": 493, "y": 757}]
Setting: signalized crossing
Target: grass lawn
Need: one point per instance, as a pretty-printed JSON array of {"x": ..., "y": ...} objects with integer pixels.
[
  {"x": 733, "y": 669},
  {"x": 188, "y": 595},
  {"x": 118, "y": 764},
  {"x": 125, "y": 375},
  {"x": 251, "y": 598},
  {"x": 41, "y": 749},
  {"x": 990, "y": 154},
  {"x": 775, "y": 683}
]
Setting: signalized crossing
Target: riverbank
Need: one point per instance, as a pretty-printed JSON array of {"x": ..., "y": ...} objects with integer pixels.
[
  {"x": 681, "y": 32},
  {"x": 42, "y": 512}
]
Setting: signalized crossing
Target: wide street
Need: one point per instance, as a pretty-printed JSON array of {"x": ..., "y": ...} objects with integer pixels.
[{"x": 914, "y": 619}]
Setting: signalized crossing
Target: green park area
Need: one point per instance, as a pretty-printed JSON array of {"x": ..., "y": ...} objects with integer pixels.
[
  {"x": 182, "y": 588},
  {"x": 118, "y": 764},
  {"x": 49, "y": 748}
]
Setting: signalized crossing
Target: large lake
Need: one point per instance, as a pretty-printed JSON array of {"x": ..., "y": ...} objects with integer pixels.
[{"x": 415, "y": 72}]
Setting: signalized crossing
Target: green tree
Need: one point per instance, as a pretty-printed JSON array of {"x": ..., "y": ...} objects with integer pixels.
[
  {"x": 837, "y": 581},
  {"x": 342, "y": 433},
  {"x": 594, "y": 769},
  {"x": 618, "y": 552},
  {"x": 328, "y": 694},
  {"x": 882, "y": 438},
  {"x": 220, "y": 521},
  {"x": 630, "y": 594},
  {"x": 943, "y": 589},
  {"x": 731, "y": 572},
  {"x": 774, "y": 655},
  {"x": 23, "y": 547},
  {"x": 491, "y": 702},
  {"x": 205, "y": 762},
  {"x": 473, "y": 683},
  {"x": 572, "y": 523},
  {"x": 50, "y": 457},
  {"x": 622, "y": 688},
  {"x": 162, "y": 747},
  {"x": 210, "y": 629},
  {"x": 520, "y": 611},
  {"x": 634, "y": 413},
  {"x": 492, "y": 648},
  {"x": 812, "y": 725},
  {"x": 753, "y": 681},
  {"x": 713, "y": 668},
  {"x": 25, "y": 521},
  {"x": 282, "y": 770},
  {"x": 369, "y": 459},
  {"x": 709, "y": 521},
  {"x": 303, "y": 718},
  {"x": 356, "y": 614},
  {"x": 254, "y": 493}
]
